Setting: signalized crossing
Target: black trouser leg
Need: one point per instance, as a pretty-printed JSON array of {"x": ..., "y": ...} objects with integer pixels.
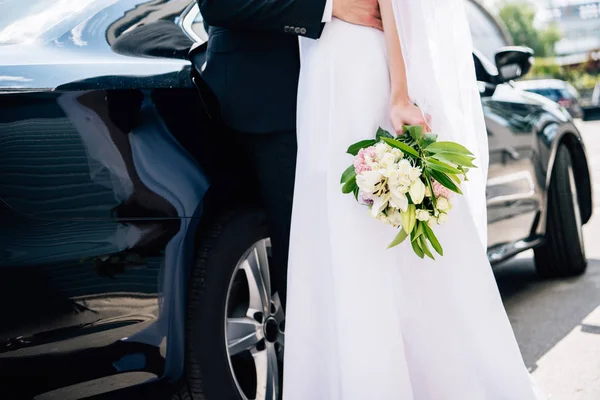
[{"x": 274, "y": 156}]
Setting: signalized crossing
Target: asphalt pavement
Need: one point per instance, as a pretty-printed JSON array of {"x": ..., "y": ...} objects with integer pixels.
[{"x": 557, "y": 323}]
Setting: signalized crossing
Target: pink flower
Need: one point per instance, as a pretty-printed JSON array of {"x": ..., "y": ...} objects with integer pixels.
[
  {"x": 440, "y": 190},
  {"x": 360, "y": 162},
  {"x": 365, "y": 198}
]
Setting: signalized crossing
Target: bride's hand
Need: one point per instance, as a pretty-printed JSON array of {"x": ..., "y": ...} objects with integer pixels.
[{"x": 408, "y": 114}]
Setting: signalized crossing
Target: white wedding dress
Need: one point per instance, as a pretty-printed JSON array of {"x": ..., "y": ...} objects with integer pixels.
[{"x": 368, "y": 323}]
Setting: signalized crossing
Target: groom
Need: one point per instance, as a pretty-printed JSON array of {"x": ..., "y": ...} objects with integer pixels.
[{"x": 252, "y": 66}]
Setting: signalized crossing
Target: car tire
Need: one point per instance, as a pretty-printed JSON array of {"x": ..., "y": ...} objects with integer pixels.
[
  {"x": 563, "y": 251},
  {"x": 209, "y": 370}
]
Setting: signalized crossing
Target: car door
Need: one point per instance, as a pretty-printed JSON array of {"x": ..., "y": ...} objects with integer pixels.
[
  {"x": 94, "y": 229},
  {"x": 514, "y": 195}
]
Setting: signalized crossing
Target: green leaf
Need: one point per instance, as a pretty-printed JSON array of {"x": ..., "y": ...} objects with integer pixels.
[
  {"x": 416, "y": 131},
  {"x": 349, "y": 186},
  {"x": 427, "y": 175},
  {"x": 444, "y": 180},
  {"x": 417, "y": 248},
  {"x": 442, "y": 166},
  {"x": 433, "y": 239},
  {"x": 455, "y": 178},
  {"x": 409, "y": 218},
  {"x": 464, "y": 171},
  {"x": 458, "y": 159},
  {"x": 418, "y": 231},
  {"x": 429, "y": 138},
  {"x": 425, "y": 247},
  {"x": 348, "y": 173},
  {"x": 353, "y": 149},
  {"x": 448, "y": 147},
  {"x": 399, "y": 145},
  {"x": 400, "y": 237},
  {"x": 381, "y": 133},
  {"x": 356, "y": 193}
]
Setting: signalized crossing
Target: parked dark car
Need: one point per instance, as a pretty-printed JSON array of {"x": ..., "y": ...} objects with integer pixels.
[
  {"x": 133, "y": 248},
  {"x": 556, "y": 90}
]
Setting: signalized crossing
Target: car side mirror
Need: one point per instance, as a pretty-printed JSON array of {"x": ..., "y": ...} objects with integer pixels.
[{"x": 513, "y": 62}]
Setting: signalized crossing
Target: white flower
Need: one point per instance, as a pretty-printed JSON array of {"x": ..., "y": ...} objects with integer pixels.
[
  {"x": 417, "y": 191},
  {"x": 443, "y": 204},
  {"x": 398, "y": 200},
  {"x": 397, "y": 153},
  {"x": 432, "y": 222},
  {"x": 397, "y": 178},
  {"x": 389, "y": 173},
  {"x": 379, "y": 204},
  {"x": 365, "y": 198},
  {"x": 390, "y": 170},
  {"x": 427, "y": 191},
  {"x": 382, "y": 217},
  {"x": 404, "y": 167},
  {"x": 442, "y": 218},
  {"x": 367, "y": 180},
  {"x": 414, "y": 173},
  {"x": 394, "y": 217},
  {"x": 387, "y": 160},
  {"x": 422, "y": 215},
  {"x": 404, "y": 180},
  {"x": 403, "y": 188},
  {"x": 381, "y": 148}
]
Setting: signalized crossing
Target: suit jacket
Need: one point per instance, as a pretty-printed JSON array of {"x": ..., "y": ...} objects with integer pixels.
[{"x": 252, "y": 62}]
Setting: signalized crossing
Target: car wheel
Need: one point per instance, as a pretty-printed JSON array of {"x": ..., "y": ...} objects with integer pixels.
[
  {"x": 563, "y": 251},
  {"x": 235, "y": 330}
]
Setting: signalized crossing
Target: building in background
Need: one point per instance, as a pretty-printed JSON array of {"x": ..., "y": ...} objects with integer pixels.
[{"x": 578, "y": 20}]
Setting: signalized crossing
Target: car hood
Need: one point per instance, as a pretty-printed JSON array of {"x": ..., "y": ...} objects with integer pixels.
[{"x": 86, "y": 42}]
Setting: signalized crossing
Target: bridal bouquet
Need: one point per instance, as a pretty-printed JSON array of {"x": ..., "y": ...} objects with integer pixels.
[{"x": 407, "y": 182}]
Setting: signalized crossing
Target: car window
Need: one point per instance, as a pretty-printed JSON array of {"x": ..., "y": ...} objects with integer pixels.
[
  {"x": 192, "y": 23},
  {"x": 543, "y": 92},
  {"x": 565, "y": 94},
  {"x": 538, "y": 91},
  {"x": 486, "y": 34},
  {"x": 552, "y": 94}
]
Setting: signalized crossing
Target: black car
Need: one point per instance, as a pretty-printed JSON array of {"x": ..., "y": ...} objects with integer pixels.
[
  {"x": 556, "y": 90},
  {"x": 134, "y": 254}
]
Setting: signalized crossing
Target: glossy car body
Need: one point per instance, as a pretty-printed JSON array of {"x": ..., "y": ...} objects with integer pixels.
[
  {"x": 556, "y": 90},
  {"x": 109, "y": 173}
]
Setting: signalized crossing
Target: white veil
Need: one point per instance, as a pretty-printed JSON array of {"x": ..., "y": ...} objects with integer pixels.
[{"x": 438, "y": 52}]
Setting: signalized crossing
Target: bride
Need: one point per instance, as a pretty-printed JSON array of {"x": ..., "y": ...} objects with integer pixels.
[{"x": 369, "y": 323}]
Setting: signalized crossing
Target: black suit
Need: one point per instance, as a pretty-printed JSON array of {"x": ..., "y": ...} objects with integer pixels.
[
  {"x": 252, "y": 66},
  {"x": 252, "y": 60}
]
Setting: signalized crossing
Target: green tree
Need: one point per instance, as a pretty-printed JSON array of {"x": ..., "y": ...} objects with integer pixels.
[{"x": 518, "y": 18}]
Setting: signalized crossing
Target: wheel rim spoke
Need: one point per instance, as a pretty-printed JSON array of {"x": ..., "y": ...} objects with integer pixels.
[
  {"x": 242, "y": 334},
  {"x": 279, "y": 315},
  {"x": 267, "y": 373},
  {"x": 280, "y": 318},
  {"x": 256, "y": 267}
]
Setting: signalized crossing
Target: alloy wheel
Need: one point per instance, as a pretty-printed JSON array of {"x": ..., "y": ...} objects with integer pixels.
[{"x": 254, "y": 327}]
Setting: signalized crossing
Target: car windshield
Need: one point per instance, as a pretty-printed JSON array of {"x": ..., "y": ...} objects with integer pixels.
[{"x": 24, "y": 21}]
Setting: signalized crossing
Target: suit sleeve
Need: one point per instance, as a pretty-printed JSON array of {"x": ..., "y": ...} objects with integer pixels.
[{"x": 294, "y": 17}]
